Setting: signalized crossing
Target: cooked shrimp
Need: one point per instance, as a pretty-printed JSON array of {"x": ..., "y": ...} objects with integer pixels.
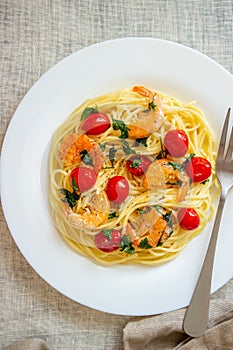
[
  {"x": 161, "y": 175},
  {"x": 92, "y": 215},
  {"x": 150, "y": 120},
  {"x": 70, "y": 150},
  {"x": 150, "y": 225}
]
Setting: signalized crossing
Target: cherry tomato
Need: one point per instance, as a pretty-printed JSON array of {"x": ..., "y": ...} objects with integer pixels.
[
  {"x": 176, "y": 143},
  {"x": 117, "y": 189},
  {"x": 108, "y": 242},
  {"x": 188, "y": 218},
  {"x": 198, "y": 169},
  {"x": 96, "y": 123},
  {"x": 138, "y": 165},
  {"x": 83, "y": 177}
]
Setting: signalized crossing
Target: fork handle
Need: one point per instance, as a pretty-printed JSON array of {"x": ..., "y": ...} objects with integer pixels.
[{"x": 197, "y": 314}]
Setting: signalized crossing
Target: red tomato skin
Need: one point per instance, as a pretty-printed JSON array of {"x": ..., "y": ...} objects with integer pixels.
[
  {"x": 176, "y": 143},
  {"x": 188, "y": 218},
  {"x": 142, "y": 168},
  {"x": 96, "y": 123},
  {"x": 117, "y": 189},
  {"x": 84, "y": 177},
  {"x": 198, "y": 169},
  {"x": 108, "y": 245}
]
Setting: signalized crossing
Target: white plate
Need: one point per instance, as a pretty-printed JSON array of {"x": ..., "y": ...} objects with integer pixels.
[{"x": 126, "y": 290}]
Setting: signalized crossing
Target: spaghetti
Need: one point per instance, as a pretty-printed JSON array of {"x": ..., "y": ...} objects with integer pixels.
[{"x": 116, "y": 189}]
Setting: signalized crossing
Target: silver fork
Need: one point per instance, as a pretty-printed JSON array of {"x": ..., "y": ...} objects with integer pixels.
[{"x": 197, "y": 314}]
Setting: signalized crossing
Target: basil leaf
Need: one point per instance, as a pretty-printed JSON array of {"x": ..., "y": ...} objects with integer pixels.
[
  {"x": 111, "y": 155},
  {"x": 88, "y": 111},
  {"x": 74, "y": 184},
  {"x": 187, "y": 160},
  {"x": 70, "y": 197},
  {"x": 135, "y": 163},
  {"x": 205, "y": 181},
  {"x": 176, "y": 166},
  {"x": 126, "y": 245},
  {"x": 86, "y": 158},
  {"x": 120, "y": 125},
  {"x": 108, "y": 233},
  {"x": 142, "y": 141},
  {"x": 127, "y": 149},
  {"x": 112, "y": 215},
  {"x": 152, "y": 105},
  {"x": 144, "y": 244},
  {"x": 102, "y": 146}
]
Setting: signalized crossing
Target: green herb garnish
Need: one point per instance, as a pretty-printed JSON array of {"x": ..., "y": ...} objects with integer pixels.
[
  {"x": 86, "y": 158},
  {"x": 176, "y": 166},
  {"x": 126, "y": 245},
  {"x": 163, "y": 153},
  {"x": 144, "y": 244},
  {"x": 187, "y": 160},
  {"x": 88, "y": 111},
  {"x": 152, "y": 105},
  {"x": 120, "y": 125},
  {"x": 112, "y": 215},
  {"x": 142, "y": 141},
  {"x": 102, "y": 146},
  {"x": 127, "y": 149},
  {"x": 205, "y": 181},
  {"x": 108, "y": 233},
  {"x": 70, "y": 197},
  {"x": 135, "y": 163},
  {"x": 74, "y": 184},
  {"x": 111, "y": 155}
]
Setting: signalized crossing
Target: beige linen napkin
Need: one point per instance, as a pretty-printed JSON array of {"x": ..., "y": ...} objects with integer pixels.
[
  {"x": 164, "y": 332},
  {"x": 28, "y": 344}
]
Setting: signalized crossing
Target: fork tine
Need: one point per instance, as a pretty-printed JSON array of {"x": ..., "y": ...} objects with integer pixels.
[
  {"x": 230, "y": 147},
  {"x": 224, "y": 135}
]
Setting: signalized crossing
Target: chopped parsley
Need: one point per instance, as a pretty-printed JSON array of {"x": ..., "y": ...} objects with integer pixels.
[
  {"x": 88, "y": 111},
  {"x": 126, "y": 245},
  {"x": 144, "y": 244},
  {"x": 120, "y": 125},
  {"x": 86, "y": 157},
  {"x": 70, "y": 197}
]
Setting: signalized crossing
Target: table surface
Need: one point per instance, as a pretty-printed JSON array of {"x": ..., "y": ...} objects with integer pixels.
[{"x": 34, "y": 35}]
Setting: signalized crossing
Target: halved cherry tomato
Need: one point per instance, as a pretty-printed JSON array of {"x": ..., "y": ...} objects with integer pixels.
[
  {"x": 117, "y": 189},
  {"x": 198, "y": 169},
  {"x": 83, "y": 177},
  {"x": 176, "y": 143},
  {"x": 188, "y": 218},
  {"x": 96, "y": 123},
  {"x": 138, "y": 165},
  {"x": 108, "y": 242}
]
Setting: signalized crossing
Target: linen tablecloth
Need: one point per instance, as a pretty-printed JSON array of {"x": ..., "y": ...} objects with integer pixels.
[{"x": 35, "y": 35}]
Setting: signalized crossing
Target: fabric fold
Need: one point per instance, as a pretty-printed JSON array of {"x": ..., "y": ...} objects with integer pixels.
[{"x": 165, "y": 331}]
